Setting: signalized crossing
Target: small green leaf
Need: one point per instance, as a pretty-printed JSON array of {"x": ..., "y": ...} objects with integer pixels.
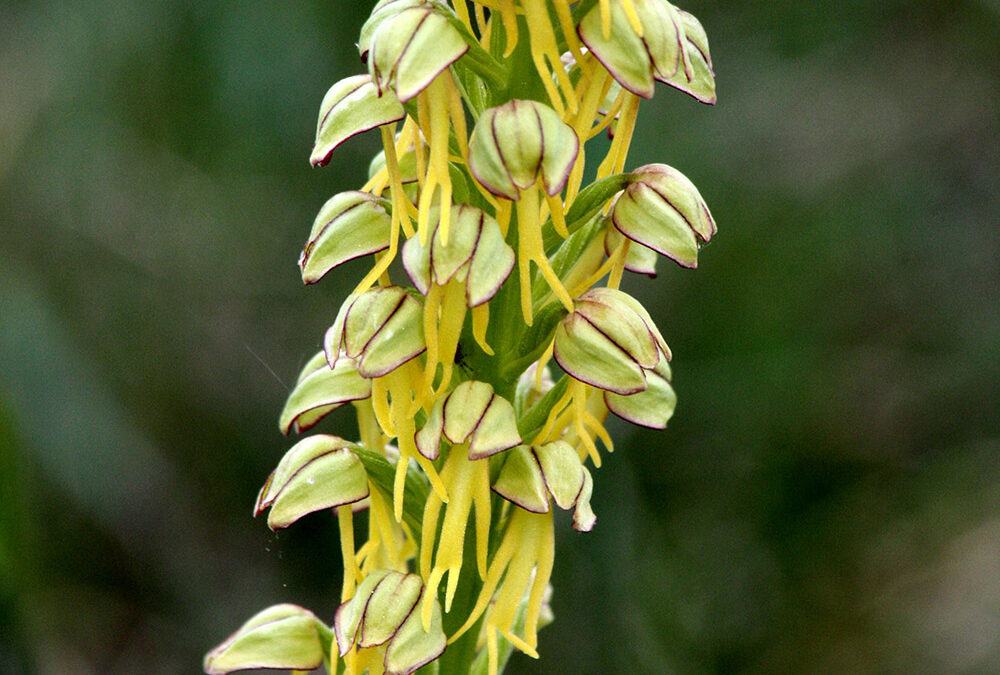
[
  {"x": 283, "y": 636},
  {"x": 381, "y": 473},
  {"x": 586, "y": 205},
  {"x": 318, "y": 472}
]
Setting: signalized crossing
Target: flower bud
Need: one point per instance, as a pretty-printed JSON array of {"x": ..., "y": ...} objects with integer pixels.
[
  {"x": 319, "y": 472},
  {"x": 532, "y": 474},
  {"x": 320, "y": 390},
  {"x": 472, "y": 413},
  {"x": 351, "y": 107},
  {"x": 351, "y": 224},
  {"x": 672, "y": 48},
  {"x": 407, "y": 43},
  {"x": 283, "y": 636},
  {"x": 476, "y": 255},
  {"x": 663, "y": 210},
  {"x": 515, "y": 144},
  {"x": 609, "y": 341},
  {"x": 381, "y": 329},
  {"x": 382, "y": 614}
]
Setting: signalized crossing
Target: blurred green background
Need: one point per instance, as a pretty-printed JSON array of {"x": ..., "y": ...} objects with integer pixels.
[{"x": 826, "y": 500}]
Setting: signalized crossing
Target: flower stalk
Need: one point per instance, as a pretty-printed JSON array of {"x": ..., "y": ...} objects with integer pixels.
[{"x": 481, "y": 394}]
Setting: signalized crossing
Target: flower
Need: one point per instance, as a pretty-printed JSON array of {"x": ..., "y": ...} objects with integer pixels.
[
  {"x": 350, "y": 225},
  {"x": 609, "y": 341},
  {"x": 320, "y": 390},
  {"x": 662, "y": 209},
  {"x": 653, "y": 41},
  {"x": 380, "y": 620},
  {"x": 513, "y": 148},
  {"x": 406, "y": 43},
  {"x": 462, "y": 273},
  {"x": 478, "y": 424}
]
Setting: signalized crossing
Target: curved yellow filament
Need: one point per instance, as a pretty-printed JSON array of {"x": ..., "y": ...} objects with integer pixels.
[
  {"x": 480, "y": 324},
  {"x": 434, "y": 124}
]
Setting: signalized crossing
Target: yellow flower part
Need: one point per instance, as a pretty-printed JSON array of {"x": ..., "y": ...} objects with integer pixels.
[
  {"x": 468, "y": 483},
  {"x": 523, "y": 563}
]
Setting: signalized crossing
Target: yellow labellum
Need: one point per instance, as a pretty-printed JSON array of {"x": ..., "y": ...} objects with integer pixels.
[
  {"x": 527, "y": 548},
  {"x": 345, "y": 519},
  {"x": 402, "y": 383},
  {"x": 529, "y": 244},
  {"x": 468, "y": 486},
  {"x": 544, "y": 48},
  {"x": 434, "y": 124}
]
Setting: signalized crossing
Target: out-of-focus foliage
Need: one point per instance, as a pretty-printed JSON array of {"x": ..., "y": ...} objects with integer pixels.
[{"x": 827, "y": 497}]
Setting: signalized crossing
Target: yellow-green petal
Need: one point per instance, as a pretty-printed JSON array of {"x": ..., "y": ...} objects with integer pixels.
[
  {"x": 520, "y": 481},
  {"x": 318, "y": 472},
  {"x": 652, "y": 408},
  {"x": 350, "y": 225},
  {"x": 320, "y": 390},
  {"x": 283, "y": 636},
  {"x": 350, "y": 107},
  {"x": 589, "y": 356},
  {"x": 413, "y": 647},
  {"x": 391, "y": 601},
  {"x": 381, "y": 328},
  {"x": 562, "y": 471}
]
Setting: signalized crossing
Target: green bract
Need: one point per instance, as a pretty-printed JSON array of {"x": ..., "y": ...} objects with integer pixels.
[
  {"x": 532, "y": 473},
  {"x": 515, "y": 144},
  {"x": 352, "y": 106},
  {"x": 407, "y": 43},
  {"x": 609, "y": 341},
  {"x": 282, "y": 636},
  {"x": 319, "y": 472},
  {"x": 381, "y": 329},
  {"x": 663, "y": 210},
  {"x": 472, "y": 413},
  {"x": 320, "y": 390},
  {"x": 673, "y": 49},
  {"x": 350, "y": 225},
  {"x": 475, "y": 255},
  {"x": 383, "y": 611}
]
